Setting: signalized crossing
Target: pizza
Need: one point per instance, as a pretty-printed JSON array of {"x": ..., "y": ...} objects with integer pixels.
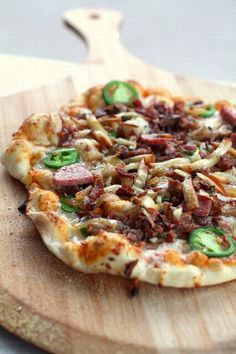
[{"x": 134, "y": 182}]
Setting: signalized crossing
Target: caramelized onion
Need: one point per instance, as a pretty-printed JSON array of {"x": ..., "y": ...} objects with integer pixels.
[
  {"x": 190, "y": 196},
  {"x": 213, "y": 181}
]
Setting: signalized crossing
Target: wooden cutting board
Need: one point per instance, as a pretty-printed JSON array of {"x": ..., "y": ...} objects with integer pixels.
[{"x": 44, "y": 301}]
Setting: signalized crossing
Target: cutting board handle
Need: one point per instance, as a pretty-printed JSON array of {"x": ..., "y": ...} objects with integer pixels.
[{"x": 101, "y": 30}]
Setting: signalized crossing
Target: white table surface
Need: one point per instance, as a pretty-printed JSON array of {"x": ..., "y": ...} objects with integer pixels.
[{"x": 191, "y": 37}]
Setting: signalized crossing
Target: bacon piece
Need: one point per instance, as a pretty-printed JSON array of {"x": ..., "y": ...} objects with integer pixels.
[
  {"x": 151, "y": 114},
  {"x": 137, "y": 103},
  {"x": 189, "y": 148},
  {"x": 98, "y": 188},
  {"x": 186, "y": 224},
  {"x": 121, "y": 172},
  {"x": 134, "y": 235},
  {"x": 225, "y": 163},
  {"x": 170, "y": 122},
  {"x": 125, "y": 190},
  {"x": 115, "y": 108},
  {"x": 170, "y": 150},
  {"x": 100, "y": 113},
  {"x": 176, "y": 191},
  {"x": 171, "y": 236},
  {"x": 205, "y": 205},
  {"x": 233, "y": 139},
  {"x": 188, "y": 123},
  {"x": 217, "y": 183},
  {"x": 65, "y": 136},
  {"x": 96, "y": 192},
  {"x": 72, "y": 175},
  {"x": 178, "y": 107},
  {"x": 228, "y": 115},
  {"x": 203, "y": 220},
  {"x": 162, "y": 108},
  {"x": 216, "y": 207},
  {"x": 149, "y": 139}
]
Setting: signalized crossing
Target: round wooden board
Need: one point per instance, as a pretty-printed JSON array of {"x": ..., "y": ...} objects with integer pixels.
[{"x": 63, "y": 311}]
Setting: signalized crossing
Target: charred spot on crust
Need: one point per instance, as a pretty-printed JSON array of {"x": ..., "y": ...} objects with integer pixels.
[
  {"x": 134, "y": 288},
  {"x": 129, "y": 268},
  {"x": 22, "y": 207}
]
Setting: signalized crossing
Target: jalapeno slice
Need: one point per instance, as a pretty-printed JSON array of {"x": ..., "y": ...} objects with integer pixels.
[
  {"x": 212, "y": 241},
  {"x": 204, "y": 111},
  {"x": 66, "y": 204},
  {"x": 119, "y": 92},
  {"x": 61, "y": 157}
]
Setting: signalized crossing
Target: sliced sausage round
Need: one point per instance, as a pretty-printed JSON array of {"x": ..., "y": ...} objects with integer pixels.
[
  {"x": 228, "y": 115},
  {"x": 72, "y": 175}
]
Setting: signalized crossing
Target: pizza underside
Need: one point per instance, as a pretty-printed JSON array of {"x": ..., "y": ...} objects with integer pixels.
[{"x": 133, "y": 182}]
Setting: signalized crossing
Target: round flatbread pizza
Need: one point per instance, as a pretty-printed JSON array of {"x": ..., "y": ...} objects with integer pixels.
[{"x": 134, "y": 182}]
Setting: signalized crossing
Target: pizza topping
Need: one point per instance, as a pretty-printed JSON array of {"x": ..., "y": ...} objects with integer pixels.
[
  {"x": 124, "y": 152},
  {"x": 72, "y": 175},
  {"x": 136, "y": 164},
  {"x": 233, "y": 139},
  {"x": 213, "y": 158},
  {"x": 68, "y": 204},
  {"x": 228, "y": 115},
  {"x": 114, "y": 133},
  {"x": 96, "y": 191},
  {"x": 110, "y": 110},
  {"x": 61, "y": 157},
  {"x": 119, "y": 92},
  {"x": 201, "y": 110},
  {"x": 204, "y": 206},
  {"x": 142, "y": 173},
  {"x": 226, "y": 163},
  {"x": 212, "y": 241},
  {"x": 155, "y": 140},
  {"x": 93, "y": 226}
]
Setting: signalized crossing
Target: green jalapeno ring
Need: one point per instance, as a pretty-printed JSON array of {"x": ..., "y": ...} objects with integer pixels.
[
  {"x": 119, "y": 92},
  {"x": 61, "y": 157},
  {"x": 65, "y": 204},
  {"x": 206, "y": 240},
  {"x": 209, "y": 111},
  {"x": 204, "y": 111}
]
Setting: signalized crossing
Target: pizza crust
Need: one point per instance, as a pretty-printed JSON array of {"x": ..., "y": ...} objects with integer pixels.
[
  {"x": 111, "y": 253},
  {"x": 30, "y": 142}
]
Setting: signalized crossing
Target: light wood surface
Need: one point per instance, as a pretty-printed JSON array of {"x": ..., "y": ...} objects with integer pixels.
[{"x": 60, "y": 310}]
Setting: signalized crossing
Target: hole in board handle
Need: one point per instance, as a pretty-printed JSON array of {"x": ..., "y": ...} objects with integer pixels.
[{"x": 94, "y": 16}]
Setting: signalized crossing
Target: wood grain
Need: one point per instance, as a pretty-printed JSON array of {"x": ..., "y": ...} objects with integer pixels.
[{"x": 63, "y": 311}]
